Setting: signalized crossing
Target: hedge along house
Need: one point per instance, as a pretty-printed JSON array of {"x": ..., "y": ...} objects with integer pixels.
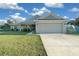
[{"x": 50, "y": 24}]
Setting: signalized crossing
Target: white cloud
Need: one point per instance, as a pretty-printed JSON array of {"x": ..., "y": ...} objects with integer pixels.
[
  {"x": 10, "y": 6},
  {"x": 65, "y": 17},
  {"x": 41, "y": 11},
  {"x": 45, "y": 9},
  {"x": 54, "y": 5},
  {"x": 35, "y": 9},
  {"x": 17, "y": 17},
  {"x": 17, "y": 14},
  {"x": 37, "y": 13},
  {"x": 74, "y": 9},
  {"x": 26, "y": 11},
  {"x": 1, "y": 20},
  {"x": 72, "y": 19}
]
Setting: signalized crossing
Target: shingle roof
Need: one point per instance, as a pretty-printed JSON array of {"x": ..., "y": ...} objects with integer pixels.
[
  {"x": 51, "y": 17},
  {"x": 30, "y": 21},
  {"x": 37, "y": 17},
  {"x": 27, "y": 22}
]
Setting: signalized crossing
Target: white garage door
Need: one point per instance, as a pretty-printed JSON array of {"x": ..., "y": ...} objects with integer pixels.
[{"x": 49, "y": 28}]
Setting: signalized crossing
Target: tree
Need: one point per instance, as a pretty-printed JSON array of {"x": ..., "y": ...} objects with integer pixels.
[
  {"x": 77, "y": 21},
  {"x": 6, "y": 26},
  {"x": 72, "y": 22},
  {"x": 10, "y": 22}
]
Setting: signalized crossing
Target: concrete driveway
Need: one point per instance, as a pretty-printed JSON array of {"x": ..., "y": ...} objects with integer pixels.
[{"x": 61, "y": 44}]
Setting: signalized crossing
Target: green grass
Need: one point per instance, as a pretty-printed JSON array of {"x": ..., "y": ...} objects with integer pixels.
[
  {"x": 75, "y": 33},
  {"x": 12, "y": 33},
  {"x": 21, "y": 45}
]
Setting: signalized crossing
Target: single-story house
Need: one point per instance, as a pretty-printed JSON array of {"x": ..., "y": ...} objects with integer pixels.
[
  {"x": 45, "y": 24},
  {"x": 27, "y": 24},
  {"x": 50, "y": 24}
]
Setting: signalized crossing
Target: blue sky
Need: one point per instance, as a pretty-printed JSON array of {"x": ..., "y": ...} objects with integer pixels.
[{"x": 26, "y": 10}]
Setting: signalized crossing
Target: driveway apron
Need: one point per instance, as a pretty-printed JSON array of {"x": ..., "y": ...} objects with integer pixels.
[{"x": 61, "y": 44}]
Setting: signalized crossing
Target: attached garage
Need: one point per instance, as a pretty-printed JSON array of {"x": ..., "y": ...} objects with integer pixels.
[
  {"x": 53, "y": 25},
  {"x": 49, "y": 28}
]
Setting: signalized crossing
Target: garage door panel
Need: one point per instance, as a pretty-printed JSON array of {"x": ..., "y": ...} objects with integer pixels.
[{"x": 49, "y": 28}]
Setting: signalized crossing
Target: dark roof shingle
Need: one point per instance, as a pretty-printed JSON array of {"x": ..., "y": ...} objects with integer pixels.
[{"x": 51, "y": 17}]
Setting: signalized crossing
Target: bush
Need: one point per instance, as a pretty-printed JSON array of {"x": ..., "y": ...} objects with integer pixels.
[
  {"x": 71, "y": 29},
  {"x": 24, "y": 30}
]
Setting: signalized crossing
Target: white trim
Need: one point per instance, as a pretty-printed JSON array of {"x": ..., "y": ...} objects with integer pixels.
[
  {"x": 62, "y": 22},
  {"x": 50, "y": 21}
]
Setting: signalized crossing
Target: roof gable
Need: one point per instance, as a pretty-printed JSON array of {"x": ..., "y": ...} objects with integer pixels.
[{"x": 51, "y": 17}]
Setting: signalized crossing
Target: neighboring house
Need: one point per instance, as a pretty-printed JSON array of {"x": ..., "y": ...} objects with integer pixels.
[
  {"x": 50, "y": 24},
  {"x": 27, "y": 24},
  {"x": 13, "y": 27}
]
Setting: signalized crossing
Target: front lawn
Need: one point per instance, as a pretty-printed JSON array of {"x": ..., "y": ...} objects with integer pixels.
[{"x": 21, "y": 45}]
